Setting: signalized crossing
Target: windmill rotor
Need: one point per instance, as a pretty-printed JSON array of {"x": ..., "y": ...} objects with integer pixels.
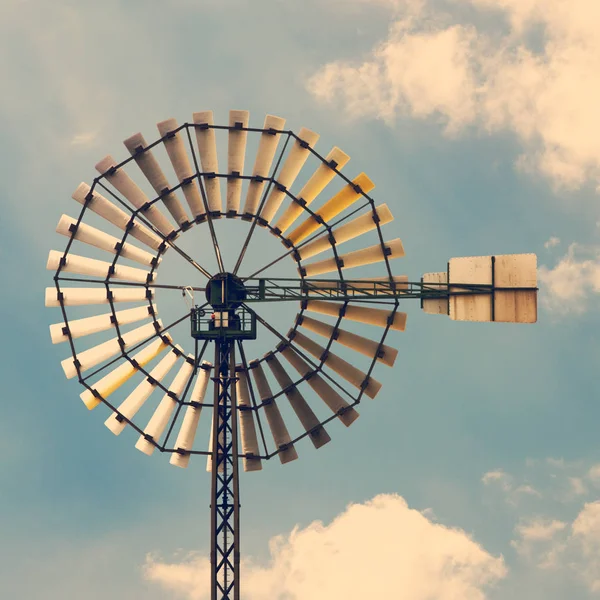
[{"x": 343, "y": 298}]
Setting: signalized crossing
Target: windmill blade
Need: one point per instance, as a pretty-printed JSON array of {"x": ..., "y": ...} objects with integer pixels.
[
  {"x": 358, "y": 258},
  {"x": 436, "y": 306},
  {"x": 160, "y": 419},
  {"x": 175, "y": 147},
  {"x": 350, "y": 373},
  {"x": 59, "y": 332},
  {"x": 262, "y": 164},
  {"x": 292, "y": 166},
  {"x": 121, "y": 181},
  {"x": 145, "y": 160},
  {"x": 97, "y": 354},
  {"x": 348, "y": 231},
  {"x": 88, "y": 296},
  {"x": 361, "y": 314},
  {"x": 189, "y": 426},
  {"x": 248, "y": 435},
  {"x": 82, "y": 265},
  {"x": 116, "y": 378},
  {"x": 236, "y": 150},
  {"x": 313, "y": 187},
  {"x": 207, "y": 149},
  {"x": 132, "y": 404},
  {"x": 281, "y": 436},
  {"x": 385, "y": 354},
  {"x": 317, "y": 433},
  {"x": 344, "y": 412},
  {"x": 349, "y": 194},
  {"x": 69, "y": 227},
  {"x": 119, "y": 218}
]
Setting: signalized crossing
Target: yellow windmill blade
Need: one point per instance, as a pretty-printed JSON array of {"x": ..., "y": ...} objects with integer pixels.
[
  {"x": 134, "y": 401},
  {"x": 262, "y": 164},
  {"x": 348, "y": 231},
  {"x": 123, "y": 373},
  {"x": 297, "y": 156},
  {"x": 358, "y": 258},
  {"x": 98, "y": 354},
  {"x": 160, "y": 419},
  {"x": 349, "y": 194},
  {"x": 322, "y": 176}
]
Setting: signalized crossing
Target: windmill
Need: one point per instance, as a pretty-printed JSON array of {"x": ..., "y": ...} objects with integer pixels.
[{"x": 311, "y": 375}]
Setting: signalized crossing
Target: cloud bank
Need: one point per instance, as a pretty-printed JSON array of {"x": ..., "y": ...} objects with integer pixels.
[
  {"x": 380, "y": 549},
  {"x": 572, "y": 283},
  {"x": 526, "y": 66}
]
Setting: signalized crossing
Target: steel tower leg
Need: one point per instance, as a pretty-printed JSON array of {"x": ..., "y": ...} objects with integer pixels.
[{"x": 225, "y": 506}]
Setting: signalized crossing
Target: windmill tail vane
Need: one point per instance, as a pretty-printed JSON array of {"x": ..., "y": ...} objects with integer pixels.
[{"x": 343, "y": 298}]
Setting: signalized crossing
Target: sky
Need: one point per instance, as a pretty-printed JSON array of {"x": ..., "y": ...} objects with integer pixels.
[{"x": 475, "y": 473}]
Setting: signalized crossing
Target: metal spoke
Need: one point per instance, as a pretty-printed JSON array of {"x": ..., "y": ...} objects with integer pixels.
[
  {"x": 308, "y": 240},
  {"x": 258, "y": 211},
  {"x": 293, "y": 346},
  {"x": 209, "y": 217},
  {"x": 133, "y": 284},
  {"x": 197, "y": 358},
  {"x": 252, "y": 395},
  {"x": 171, "y": 243},
  {"x": 134, "y": 348}
]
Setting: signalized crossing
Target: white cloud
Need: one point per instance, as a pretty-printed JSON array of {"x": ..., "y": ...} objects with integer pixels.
[
  {"x": 593, "y": 474},
  {"x": 552, "y": 242},
  {"x": 585, "y": 544},
  {"x": 339, "y": 560},
  {"x": 420, "y": 73},
  {"x": 571, "y": 548},
  {"x": 539, "y": 529},
  {"x": 558, "y": 532},
  {"x": 559, "y": 463},
  {"x": 568, "y": 285},
  {"x": 85, "y": 138},
  {"x": 539, "y": 542},
  {"x": 435, "y": 64},
  {"x": 578, "y": 488},
  {"x": 505, "y": 482},
  {"x": 528, "y": 490}
]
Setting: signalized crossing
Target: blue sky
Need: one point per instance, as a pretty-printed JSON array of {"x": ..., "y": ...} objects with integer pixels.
[{"x": 476, "y": 120}]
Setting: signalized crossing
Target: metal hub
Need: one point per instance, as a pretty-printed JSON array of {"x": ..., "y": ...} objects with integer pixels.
[{"x": 225, "y": 291}]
